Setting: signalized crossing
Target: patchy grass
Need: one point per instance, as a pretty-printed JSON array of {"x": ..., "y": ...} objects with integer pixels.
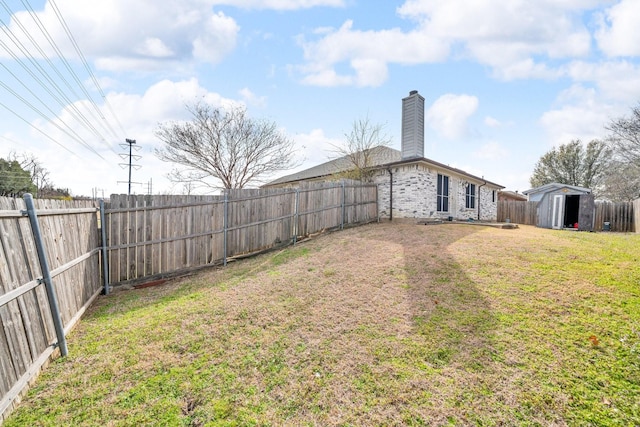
[{"x": 387, "y": 324}]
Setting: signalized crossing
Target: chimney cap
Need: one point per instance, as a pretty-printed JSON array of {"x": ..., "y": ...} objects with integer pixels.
[{"x": 413, "y": 92}]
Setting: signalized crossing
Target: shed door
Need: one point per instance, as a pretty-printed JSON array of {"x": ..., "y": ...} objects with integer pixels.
[
  {"x": 557, "y": 217},
  {"x": 586, "y": 216}
]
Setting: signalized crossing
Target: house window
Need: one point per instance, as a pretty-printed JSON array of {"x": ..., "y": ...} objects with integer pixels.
[
  {"x": 443, "y": 193},
  {"x": 493, "y": 196},
  {"x": 470, "y": 197}
]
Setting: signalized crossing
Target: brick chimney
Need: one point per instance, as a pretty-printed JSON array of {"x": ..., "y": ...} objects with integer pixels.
[{"x": 412, "y": 126}]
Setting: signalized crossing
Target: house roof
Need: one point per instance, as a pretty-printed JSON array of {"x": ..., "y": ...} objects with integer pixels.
[
  {"x": 381, "y": 157},
  {"x": 512, "y": 195},
  {"x": 555, "y": 186}
]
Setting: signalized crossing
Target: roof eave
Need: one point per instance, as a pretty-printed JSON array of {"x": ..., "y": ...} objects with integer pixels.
[{"x": 439, "y": 165}]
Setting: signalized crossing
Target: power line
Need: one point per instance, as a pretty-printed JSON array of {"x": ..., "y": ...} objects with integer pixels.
[
  {"x": 37, "y": 129},
  {"x": 25, "y": 52},
  {"x": 84, "y": 62},
  {"x": 50, "y": 86},
  {"x": 40, "y": 82},
  {"x": 71, "y": 133},
  {"x": 54, "y": 45},
  {"x": 52, "y": 121},
  {"x": 16, "y": 41}
]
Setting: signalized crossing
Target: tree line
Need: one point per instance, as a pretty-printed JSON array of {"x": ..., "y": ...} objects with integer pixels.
[
  {"x": 24, "y": 173},
  {"x": 610, "y": 167}
]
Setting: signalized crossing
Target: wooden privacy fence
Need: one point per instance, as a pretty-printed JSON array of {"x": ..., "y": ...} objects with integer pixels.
[
  {"x": 518, "y": 212},
  {"x": 40, "y": 301},
  {"x": 66, "y": 235},
  {"x": 150, "y": 236},
  {"x": 620, "y": 216}
]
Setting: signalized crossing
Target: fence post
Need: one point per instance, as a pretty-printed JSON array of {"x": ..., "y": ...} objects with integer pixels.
[
  {"x": 46, "y": 274},
  {"x": 295, "y": 216},
  {"x": 105, "y": 256},
  {"x": 343, "y": 208},
  {"x": 225, "y": 226}
]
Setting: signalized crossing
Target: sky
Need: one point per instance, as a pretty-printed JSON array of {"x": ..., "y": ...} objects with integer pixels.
[{"x": 503, "y": 81}]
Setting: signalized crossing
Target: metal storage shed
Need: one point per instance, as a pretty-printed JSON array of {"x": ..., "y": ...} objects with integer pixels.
[{"x": 563, "y": 206}]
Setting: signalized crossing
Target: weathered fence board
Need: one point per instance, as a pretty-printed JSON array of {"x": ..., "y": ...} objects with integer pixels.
[
  {"x": 155, "y": 235},
  {"x": 186, "y": 232},
  {"x": 620, "y": 215},
  {"x": 71, "y": 237},
  {"x": 517, "y": 212},
  {"x": 146, "y": 236}
]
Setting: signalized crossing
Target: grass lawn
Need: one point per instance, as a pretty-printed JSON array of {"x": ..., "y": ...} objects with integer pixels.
[{"x": 386, "y": 324}]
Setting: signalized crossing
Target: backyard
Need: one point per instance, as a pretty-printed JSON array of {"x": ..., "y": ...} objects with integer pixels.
[{"x": 385, "y": 324}]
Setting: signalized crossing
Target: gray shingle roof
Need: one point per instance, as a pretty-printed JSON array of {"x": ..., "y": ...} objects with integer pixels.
[
  {"x": 382, "y": 156},
  {"x": 379, "y": 156},
  {"x": 554, "y": 186}
]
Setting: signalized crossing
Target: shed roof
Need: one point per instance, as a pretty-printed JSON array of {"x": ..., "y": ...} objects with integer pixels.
[{"x": 555, "y": 186}]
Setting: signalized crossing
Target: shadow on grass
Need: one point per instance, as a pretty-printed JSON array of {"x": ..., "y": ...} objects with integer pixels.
[
  {"x": 451, "y": 341},
  {"x": 386, "y": 324}
]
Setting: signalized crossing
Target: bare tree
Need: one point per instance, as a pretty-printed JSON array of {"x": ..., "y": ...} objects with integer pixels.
[
  {"x": 622, "y": 182},
  {"x": 226, "y": 145},
  {"x": 30, "y": 163},
  {"x": 624, "y": 136},
  {"x": 623, "y": 178},
  {"x": 362, "y": 149}
]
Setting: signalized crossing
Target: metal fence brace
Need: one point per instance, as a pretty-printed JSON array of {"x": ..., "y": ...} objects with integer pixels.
[{"x": 46, "y": 274}]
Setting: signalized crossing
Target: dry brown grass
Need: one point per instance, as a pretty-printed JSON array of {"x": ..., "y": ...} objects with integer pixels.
[{"x": 387, "y": 324}]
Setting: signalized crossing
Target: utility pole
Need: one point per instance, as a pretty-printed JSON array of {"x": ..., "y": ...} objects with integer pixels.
[{"x": 131, "y": 144}]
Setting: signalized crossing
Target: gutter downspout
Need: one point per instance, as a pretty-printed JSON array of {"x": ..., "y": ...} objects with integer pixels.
[
  {"x": 479, "y": 198},
  {"x": 390, "y": 194}
]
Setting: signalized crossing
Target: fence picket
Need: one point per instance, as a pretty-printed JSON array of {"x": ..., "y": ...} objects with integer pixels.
[
  {"x": 621, "y": 215},
  {"x": 71, "y": 237},
  {"x": 188, "y": 232}
]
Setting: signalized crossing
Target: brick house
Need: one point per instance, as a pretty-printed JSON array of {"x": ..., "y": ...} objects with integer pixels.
[{"x": 409, "y": 184}]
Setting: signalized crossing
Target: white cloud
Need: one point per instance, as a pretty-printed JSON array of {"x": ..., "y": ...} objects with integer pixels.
[
  {"x": 500, "y": 33},
  {"x": 619, "y": 32},
  {"x": 515, "y": 38},
  {"x": 367, "y": 52},
  {"x": 218, "y": 39},
  {"x": 492, "y": 122},
  {"x": 582, "y": 115},
  {"x": 491, "y": 151},
  {"x": 154, "y": 47},
  {"x": 280, "y": 4},
  {"x": 449, "y": 114},
  {"x": 124, "y": 35},
  {"x": 525, "y": 69},
  {"x": 617, "y": 80},
  {"x": 313, "y": 148},
  {"x": 327, "y": 78},
  {"x": 252, "y": 99}
]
